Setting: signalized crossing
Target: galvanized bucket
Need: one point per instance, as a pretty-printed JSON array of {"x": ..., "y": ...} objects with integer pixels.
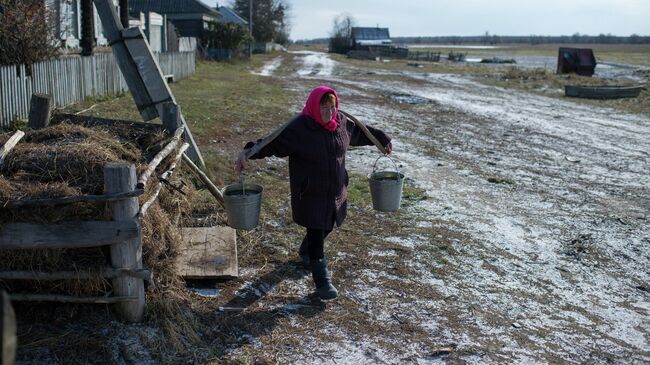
[
  {"x": 243, "y": 203},
  {"x": 386, "y": 188}
]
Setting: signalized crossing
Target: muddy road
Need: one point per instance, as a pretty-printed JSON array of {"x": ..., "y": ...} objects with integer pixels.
[{"x": 530, "y": 247}]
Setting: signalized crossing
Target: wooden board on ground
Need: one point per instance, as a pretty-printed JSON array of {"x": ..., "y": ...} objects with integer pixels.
[{"x": 208, "y": 253}]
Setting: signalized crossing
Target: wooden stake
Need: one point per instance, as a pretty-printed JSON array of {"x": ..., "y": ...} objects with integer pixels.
[
  {"x": 120, "y": 177},
  {"x": 39, "y": 111},
  {"x": 171, "y": 118},
  {"x": 8, "y": 327}
]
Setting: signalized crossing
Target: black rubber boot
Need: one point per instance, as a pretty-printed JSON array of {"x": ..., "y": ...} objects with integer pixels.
[
  {"x": 303, "y": 251},
  {"x": 323, "y": 280}
]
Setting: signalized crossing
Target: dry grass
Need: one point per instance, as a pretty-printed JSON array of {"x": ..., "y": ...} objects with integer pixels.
[{"x": 68, "y": 160}]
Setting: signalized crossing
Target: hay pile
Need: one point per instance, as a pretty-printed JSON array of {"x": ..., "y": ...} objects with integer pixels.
[{"x": 68, "y": 160}]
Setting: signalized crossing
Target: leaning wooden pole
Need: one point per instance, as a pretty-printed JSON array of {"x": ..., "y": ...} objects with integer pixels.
[
  {"x": 205, "y": 179},
  {"x": 119, "y": 177}
]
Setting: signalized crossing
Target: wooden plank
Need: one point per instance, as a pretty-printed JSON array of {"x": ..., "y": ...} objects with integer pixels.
[
  {"x": 208, "y": 253},
  {"x": 141, "y": 71},
  {"x": 66, "y": 235},
  {"x": 74, "y": 199},
  {"x": 8, "y": 327},
  {"x": 106, "y": 272},
  {"x": 127, "y": 254},
  {"x": 10, "y": 144},
  {"x": 148, "y": 67},
  {"x": 70, "y": 299},
  {"x": 113, "y": 32}
]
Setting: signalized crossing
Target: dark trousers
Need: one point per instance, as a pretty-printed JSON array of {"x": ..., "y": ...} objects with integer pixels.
[{"x": 315, "y": 238}]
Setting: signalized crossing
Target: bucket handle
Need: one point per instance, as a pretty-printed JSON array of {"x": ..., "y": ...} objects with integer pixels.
[{"x": 374, "y": 167}]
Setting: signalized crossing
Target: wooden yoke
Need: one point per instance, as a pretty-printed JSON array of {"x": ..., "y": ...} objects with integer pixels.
[{"x": 247, "y": 153}]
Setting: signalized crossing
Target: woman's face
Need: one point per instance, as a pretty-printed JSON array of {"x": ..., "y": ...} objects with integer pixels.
[{"x": 327, "y": 110}]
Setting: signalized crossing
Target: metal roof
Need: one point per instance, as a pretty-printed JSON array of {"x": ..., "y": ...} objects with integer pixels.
[
  {"x": 229, "y": 16},
  {"x": 363, "y": 33},
  {"x": 171, "y": 7}
]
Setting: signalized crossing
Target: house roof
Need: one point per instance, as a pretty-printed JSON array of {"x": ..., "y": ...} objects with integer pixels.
[
  {"x": 171, "y": 7},
  {"x": 368, "y": 34},
  {"x": 229, "y": 16}
]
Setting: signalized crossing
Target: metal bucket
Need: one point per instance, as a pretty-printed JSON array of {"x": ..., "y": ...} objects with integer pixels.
[
  {"x": 386, "y": 188},
  {"x": 243, "y": 203}
]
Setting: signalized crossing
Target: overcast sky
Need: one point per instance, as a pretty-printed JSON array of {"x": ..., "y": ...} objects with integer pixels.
[{"x": 313, "y": 18}]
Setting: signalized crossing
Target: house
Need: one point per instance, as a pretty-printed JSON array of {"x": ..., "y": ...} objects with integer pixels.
[
  {"x": 578, "y": 60},
  {"x": 364, "y": 38},
  {"x": 67, "y": 18},
  {"x": 190, "y": 17},
  {"x": 153, "y": 26}
]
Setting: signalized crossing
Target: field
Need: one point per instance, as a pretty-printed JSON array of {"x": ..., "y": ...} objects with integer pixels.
[{"x": 522, "y": 236}]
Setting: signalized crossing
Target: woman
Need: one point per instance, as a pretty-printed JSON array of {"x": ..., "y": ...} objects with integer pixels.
[{"x": 316, "y": 143}]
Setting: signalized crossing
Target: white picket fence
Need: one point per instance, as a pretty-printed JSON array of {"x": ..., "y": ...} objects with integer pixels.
[{"x": 71, "y": 80}]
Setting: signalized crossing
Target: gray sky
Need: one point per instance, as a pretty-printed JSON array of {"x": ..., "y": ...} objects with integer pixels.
[{"x": 313, "y": 19}]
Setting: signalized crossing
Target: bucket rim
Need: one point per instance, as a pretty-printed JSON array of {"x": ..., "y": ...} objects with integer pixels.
[
  {"x": 239, "y": 186},
  {"x": 400, "y": 175}
]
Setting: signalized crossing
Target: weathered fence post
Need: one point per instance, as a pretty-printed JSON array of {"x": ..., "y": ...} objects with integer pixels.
[
  {"x": 8, "y": 326},
  {"x": 121, "y": 177},
  {"x": 39, "y": 111},
  {"x": 171, "y": 118}
]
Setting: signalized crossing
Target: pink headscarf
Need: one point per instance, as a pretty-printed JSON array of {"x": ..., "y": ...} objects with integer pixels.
[{"x": 312, "y": 108}]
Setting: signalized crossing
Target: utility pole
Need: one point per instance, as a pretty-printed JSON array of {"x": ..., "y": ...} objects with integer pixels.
[{"x": 250, "y": 28}]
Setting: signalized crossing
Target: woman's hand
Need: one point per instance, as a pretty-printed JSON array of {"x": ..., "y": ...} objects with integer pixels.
[
  {"x": 388, "y": 148},
  {"x": 240, "y": 164}
]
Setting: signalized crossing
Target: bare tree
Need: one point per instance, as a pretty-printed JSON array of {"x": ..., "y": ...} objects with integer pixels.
[
  {"x": 27, "y": 32},
  {"x": 341, "y": 36}
]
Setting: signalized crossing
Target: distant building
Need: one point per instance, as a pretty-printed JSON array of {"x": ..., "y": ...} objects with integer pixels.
[
  {"x": 190, "y": 17},
  {"x": 364, "y": 38}
]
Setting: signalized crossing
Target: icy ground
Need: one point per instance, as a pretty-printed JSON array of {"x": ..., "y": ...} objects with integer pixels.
[{"x": 546, "y": 202}]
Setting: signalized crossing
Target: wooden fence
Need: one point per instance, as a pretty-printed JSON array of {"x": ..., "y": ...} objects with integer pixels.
[
  {"x": 425, "y": 56},
  {"x": 71, "y": 80}
]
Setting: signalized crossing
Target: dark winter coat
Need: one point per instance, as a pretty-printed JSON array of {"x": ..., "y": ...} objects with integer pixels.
[{"x": 317, "y": 175}]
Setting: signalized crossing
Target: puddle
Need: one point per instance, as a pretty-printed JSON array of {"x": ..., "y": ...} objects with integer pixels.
[{"x": 409, "y": 99}]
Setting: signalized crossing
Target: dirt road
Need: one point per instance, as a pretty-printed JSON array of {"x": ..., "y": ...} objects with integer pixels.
[{"x": 532, "y": 243}]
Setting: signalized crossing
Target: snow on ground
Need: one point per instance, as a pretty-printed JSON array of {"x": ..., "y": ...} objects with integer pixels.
[
  {"x": 269, "y": 68},
  {"x": 554, "y": 266},
  {"x": 315, "y": 64}
]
